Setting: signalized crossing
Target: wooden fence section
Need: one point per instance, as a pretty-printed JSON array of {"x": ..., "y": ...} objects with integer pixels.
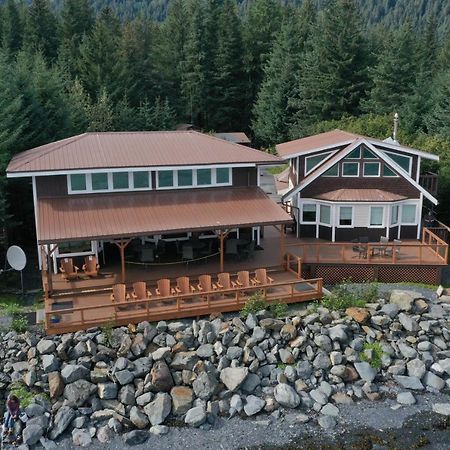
[
  {"x": 176, "y": 306},
  {"x": 435, "y": 243},
  {"x": 441, "y": 230}
]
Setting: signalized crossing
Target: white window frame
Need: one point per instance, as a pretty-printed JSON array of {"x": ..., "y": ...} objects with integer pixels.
[
  {"x": 326, "y": 155},
  {"x": 382, "y": 217},
  {"x": 392, "y": 223},
  {"x": 372, "y": 176},
  {"x": 317, "y": 212},
  {"x": 401, "y": 214},
  {"x": 350, "y": 162},
  {"x": 387, "y": 152},
  {"x": 332, "y": 176},
  {"x": 77, "y": 191},
  {"x": 214, "y": 182},
  {"x": 339, "y": 216},
  {"x": 396, "y": 175},
  {"x": 320, "y": 215}
]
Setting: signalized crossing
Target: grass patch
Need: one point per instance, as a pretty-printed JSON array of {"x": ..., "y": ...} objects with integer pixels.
[
  {"x": 22, "y": 393},
  {"x": 372, "y": 353},
  {"x": 277, "y": 170},
  {"x": 107, "y": 330},
  {"x": 278, "y": 309},
  {"x": 257, "y": 303},
  {"x": 344, "y": 296}
]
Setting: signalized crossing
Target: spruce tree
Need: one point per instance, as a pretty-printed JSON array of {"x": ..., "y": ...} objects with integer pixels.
[
  {"x": 101, "y": 113},
  {"x": 438, "y": 118},
  {"x": 79, "y": 104},
  {"x": 12, "y": 28}
]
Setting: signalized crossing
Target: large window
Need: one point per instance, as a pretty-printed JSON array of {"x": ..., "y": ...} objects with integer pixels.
[
  {"x": 354, "y": 154},
  {"x": 409, "y": 214},
  {"x": 141, "y": 180},
  {"x": 120, "y": 180},
  {"x": 345, "y": 216},
  {"x": 222, "y": 175},
  {"x": 204, "y": 177},
  {"x": 402, "y": 160},
  {"x": 311, "y": 162},
  {"x": 165, "y": 178},
  {"x": 372, "y": 169},
  {"x": 394, "y": 215},
  {"x": 350, "y": 169},
  {"x": 376, "y": 216},
  {"x": 388, "y": 172},
  {"x": 185, "y": 177},
  {"x": 99, "y": 181},
  {"x": 325, "y": 214},
  {"x": 367, "y": 154},
  {"x": 78, "y": 182},
  {"x": 332, "y": 171},
  {"x": 309, "y": 213}
]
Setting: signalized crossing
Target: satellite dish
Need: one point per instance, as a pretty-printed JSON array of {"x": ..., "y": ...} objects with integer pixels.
[{"x": 16, "y": 257}]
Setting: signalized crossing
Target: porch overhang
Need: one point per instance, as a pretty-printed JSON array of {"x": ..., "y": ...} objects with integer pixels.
[{"x": 125, "y": 215}]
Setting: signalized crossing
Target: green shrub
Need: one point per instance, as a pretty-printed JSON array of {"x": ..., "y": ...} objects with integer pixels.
[
  {"x": 377, "y": 353},
  {"x": 278, "y": 309},
  {"x": 107, "y": 330},
  {"x": 19, "y": 323},
  {"x": 254, "y": 304},
  {"x": 343, "y": 297},
  {"x": 22, "y": 393}
]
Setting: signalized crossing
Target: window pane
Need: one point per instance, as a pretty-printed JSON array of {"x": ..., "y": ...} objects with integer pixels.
[
  {"x": 376, "y": 216},
  {"x": 120, "y": 180},
  {"x": 350, "y": 169},
  {"x": 402, "y": 161},
  {"x": 78, "y": 182},
  {"x": 345, "y": 215},
  {"x": 203, "y": 177},
  {"x": 325, "y": 214},
  {"x": 332, "y": 171},
  {"x": 409, "y": 214},
  {"x": 99, "y": 181},
  {"x": 141, "y": 180},
  {"x": 388, "y": 172},
  {"x": 367, "y": 154},
  {"x": 165, "y": 178},
  {"x": 309, "y": 212},
  {"x": 394, "y": 216},
  {"x": 222, "y": 175},
  {"x": 313, "y": 161},
  {"x": 185, "y": 177},
  {"x": 355, "y": 154},
  {"x": 371, "y": 169}
]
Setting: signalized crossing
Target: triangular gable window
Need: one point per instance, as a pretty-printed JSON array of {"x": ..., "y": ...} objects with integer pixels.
[
  {"x": 354, "y": 154},
  {"x": 367, "y": 154},
  {"x": 332, "y": 171},
  {"x": 405, "y": 162},
  {"x": 311, "y": 162}
]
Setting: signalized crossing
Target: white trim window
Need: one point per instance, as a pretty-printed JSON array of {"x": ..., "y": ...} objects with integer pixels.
[
  {"x": 394, "y": 215},
  {"x": 409, "y": 214},
  {"x": 200, "y": 177},
  {"x": 311, "y": 162},
  {"x": 404, "y": 161},
  {"x": 372, "y": 169},
  {"x": 333, "y": 171},
  {"x": 376, "y": 217},
  {"x": 309, "y": 213},
  {"x": 325, "y": 215},
  {"x": 345, "y": 217},
  {"x": 388, "y": 172},
  {"x": 350, "y": 169}
]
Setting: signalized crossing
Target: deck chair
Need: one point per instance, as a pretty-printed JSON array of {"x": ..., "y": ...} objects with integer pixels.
[
  {"x": 164, "y": 289},
  {"x": 140, "y": 291},
  {"x": 91, "y": 266},
  {"x": 390, "y": 251},
  {"x": 205, "y": 283},
  {"x": 120, "y": 296},
  {"x": 68, "y": 270},
  {"x": 261, "y": 277},
  {"x": 183, "y": 286},
  {"x": 243, "y": 279},
  {"x": 224, "y": 281}
]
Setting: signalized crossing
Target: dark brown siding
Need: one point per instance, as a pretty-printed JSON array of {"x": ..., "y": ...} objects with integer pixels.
[
  {"x": 325, "y": 232},
  {"x": 244, "y": 176},
  {"x": 307, "y": 231},
  {"x": 408, "y": 232},
  {"x": 51, "y": 186},
  {"x": 348, "y": 234}
]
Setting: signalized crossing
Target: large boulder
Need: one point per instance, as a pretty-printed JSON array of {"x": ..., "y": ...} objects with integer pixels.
[
  {"x": 31, "y": 434},
  {"x": 161, "y": 377},
  {"x": 404, "y": 299},
  {"x": 79, "y": 392},
  {"x": 74, "y": 372},
  {"x": 205, "y": 385},
  {"x": 62, "y": 420},
  {"x": 195, "y": 416},
  {"x": 233, "y": 377},
  {"x": 55, "y": 385},
  {"x": 286, "y": 396},
  {"x": 159, "y": 408},
  {"x": 182, "y": 398}
]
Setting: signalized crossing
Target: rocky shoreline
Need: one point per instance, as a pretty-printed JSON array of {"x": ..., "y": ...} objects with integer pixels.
[{"x": 148, "y": 380}]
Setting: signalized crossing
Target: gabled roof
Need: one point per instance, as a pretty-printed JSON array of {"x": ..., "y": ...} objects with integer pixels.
[
  {"x": 360, "y": 195},
  {"x": 336, "y": 139},
  {"x": 238, "y": 137},
  {"x": 135, "y": 149}
]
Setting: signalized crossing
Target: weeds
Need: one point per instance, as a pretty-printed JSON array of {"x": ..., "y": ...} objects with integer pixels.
[
  {"x": 344, "y": 296},
  {"x": 19, "y": 323},
  {"x": 107, "y": 331},
  {"x": 22, "y": 393},
  {"x": 372, "y": 353},
  {"x": 278, "y": 309},
  {"x": 254, "y": 304}
]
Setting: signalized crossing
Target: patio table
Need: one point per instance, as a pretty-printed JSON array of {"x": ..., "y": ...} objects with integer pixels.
[{"x": 377, "y": 250}]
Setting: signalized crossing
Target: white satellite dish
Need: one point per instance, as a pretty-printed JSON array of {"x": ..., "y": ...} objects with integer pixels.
[{"x": 16, "y": 257}]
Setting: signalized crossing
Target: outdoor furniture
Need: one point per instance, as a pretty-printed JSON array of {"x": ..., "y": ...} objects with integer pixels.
[
  {"x": 248, "y": 252},
  {"x": 261, "y": 277},
  {"x": 231, "y": 248},
  {"x": 390, "y": 251},
  {"x": 183, "y": 286},
  {"x": 187, "y": 253},
  {"x": 205, "y": 283},
  {"x": 119, "y": 295},
  {"x": 164, "y": 289},
  {"x": 243, "y": 279},
  {"x": 68, "y": 270},
  {"x": 360, "y": 249},
  {"x": 224, "y": 281},
  {"x": 140, "y": 291},
  {"x": 90, "y": 266},
  {"x": 147, "y": 255}
]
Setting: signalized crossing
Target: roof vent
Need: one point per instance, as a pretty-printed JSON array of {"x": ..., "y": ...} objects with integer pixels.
[{"x": 394, "y": 135}]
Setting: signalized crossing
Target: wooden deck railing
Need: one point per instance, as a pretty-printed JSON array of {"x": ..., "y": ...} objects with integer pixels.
[
  {"x": 297, "y": 261},
  {"x": 177, "y": 306},
  {"x": 435, "y": 243},
  {"x": 441, "y": 230}
]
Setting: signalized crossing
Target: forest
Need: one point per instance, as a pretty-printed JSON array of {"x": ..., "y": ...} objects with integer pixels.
[{"x": 275, "y": 69}]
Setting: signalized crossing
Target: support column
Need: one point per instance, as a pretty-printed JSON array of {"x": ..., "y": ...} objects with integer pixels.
[
  {"x": 122, "y": 244},
  {"x": 221, "y": 239},
  {"x": 282, "y": 243}
]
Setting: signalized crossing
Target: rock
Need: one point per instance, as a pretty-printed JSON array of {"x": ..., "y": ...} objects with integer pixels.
[
  {"x": 271, "y": 324},
  {"x": 161, "y": 353},
  {"x": 79, "y": 392},
  {"x": 442, "y": 408},
  {"x": 50, "y": 363},
  {"x": 365, "y": 371},
  {"x": 182, "y": 398},
  {"x": 47, "y": 444},
  {"x": 286, "y": 396},
  {"x": 138, "y": 418},
  {"x": 159, "y": 408},
  {"x": 33, "y": 410},
  {"x": 124, "y": 377},
  {"x": 322, "y": 361},
  {"x": 241, "y": 326},
  {"x": 161, "y": 377},
  {"x": 286, "y": 356},
  {"x": 31, "y": 434},
  {"x": 420, "y": 306},
  {"x": 433, "y": 381},
  {"x": 408, "y": 323},
  {"x": 404, "y": 299},
  {"x": 319, "y": 396},
  {"x": 195, "y": 416},
  {"x": 390, "y": 309},
  {"x": 81, "y": 438},
  {"x": 45, "y": 346},
  {"x": 127, "y": 395},
  {"x": 205, "y": 385},
  {"x": 342, "y": 399},
  {"x": 136, "y": 437},
  {"x": 184, "y": 361},
  {"x": 205, "y": 351},
  {"x": 104, "y": 434},
  {"x": 407, "y": 351},
  {"x": 323, "y": 342},
  {"x": 253, "y": 405},
  {"x": 338, "y": 333},
  {"x": 233, "y": 377},
  {"x": 330, "y": 410},
  {"x": 73, "y": 372},
  {"x": 327, "y": 422},
  {"x": 107, "y": 391},
  {"x": 360, "y": 315},
  {"x": 416, "y": 368},
  {"x": 159, "y": 430},
  {"x": 62, "y": 420},
  {"x": 234, "y": 352},
  {"x": 409, "y": 382},
  {"x": 250, "y": 383},
  {"x": 288, "y": 332},
  {"x": 55, "y": 385},
  {"x": 406, "y": 398}
]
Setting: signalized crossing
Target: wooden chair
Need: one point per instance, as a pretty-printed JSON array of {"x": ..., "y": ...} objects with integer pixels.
[
  {"x": 164, "y": 289},
  {"x": 261, "y": 277},
  {"x": 140, "y": 291},
  {"x": 120, "y": 296},
  {"x": 68, "y": 270},
  {"x": 183, "y": 286},
  {"x": 91, "y": 266},
  {"x": 243, "y": 279},
  {"x": 205, "y": 283},
  {"x": 224, "y": 281}
]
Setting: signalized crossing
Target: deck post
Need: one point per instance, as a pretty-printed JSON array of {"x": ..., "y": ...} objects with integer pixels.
[
  {"x": 122, "y": 244},
  {"x": 282, "y": 243},
  {"x": 221, "y": 239}
]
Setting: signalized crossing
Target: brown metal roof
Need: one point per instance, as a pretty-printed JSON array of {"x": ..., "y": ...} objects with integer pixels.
[
  {"x": 238, "y": 137},
  {"x": 360, "y": 195},
  {"x": 132, "y": 214},
  {"x": 135, "y": 149},
  {"x": 318, "y": 141}
]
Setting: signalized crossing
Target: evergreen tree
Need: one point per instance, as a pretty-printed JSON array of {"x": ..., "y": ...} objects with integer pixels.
[
  {"x": 163, "y": 116},
  {"x": 98, "y": 59},
  {"x": 394, "y": 75},
  {"x": 101, "y": 113},
  {"x": 42, "y": 29},
  {"x": 125, "y": 116},
  {"x": 438, "y": 119},
  {"x": 12, "y": 28},
  {"x": 333, "y": 74},
  {"x": 229, "y": 88},
  {"x": 79, "y": 105}
]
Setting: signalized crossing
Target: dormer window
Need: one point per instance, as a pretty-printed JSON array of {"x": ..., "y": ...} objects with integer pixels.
[{"x": 311, "y": 162}]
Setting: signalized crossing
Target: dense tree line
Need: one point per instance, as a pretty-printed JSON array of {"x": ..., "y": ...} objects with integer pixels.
[{"x": 276, "y": 69}]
